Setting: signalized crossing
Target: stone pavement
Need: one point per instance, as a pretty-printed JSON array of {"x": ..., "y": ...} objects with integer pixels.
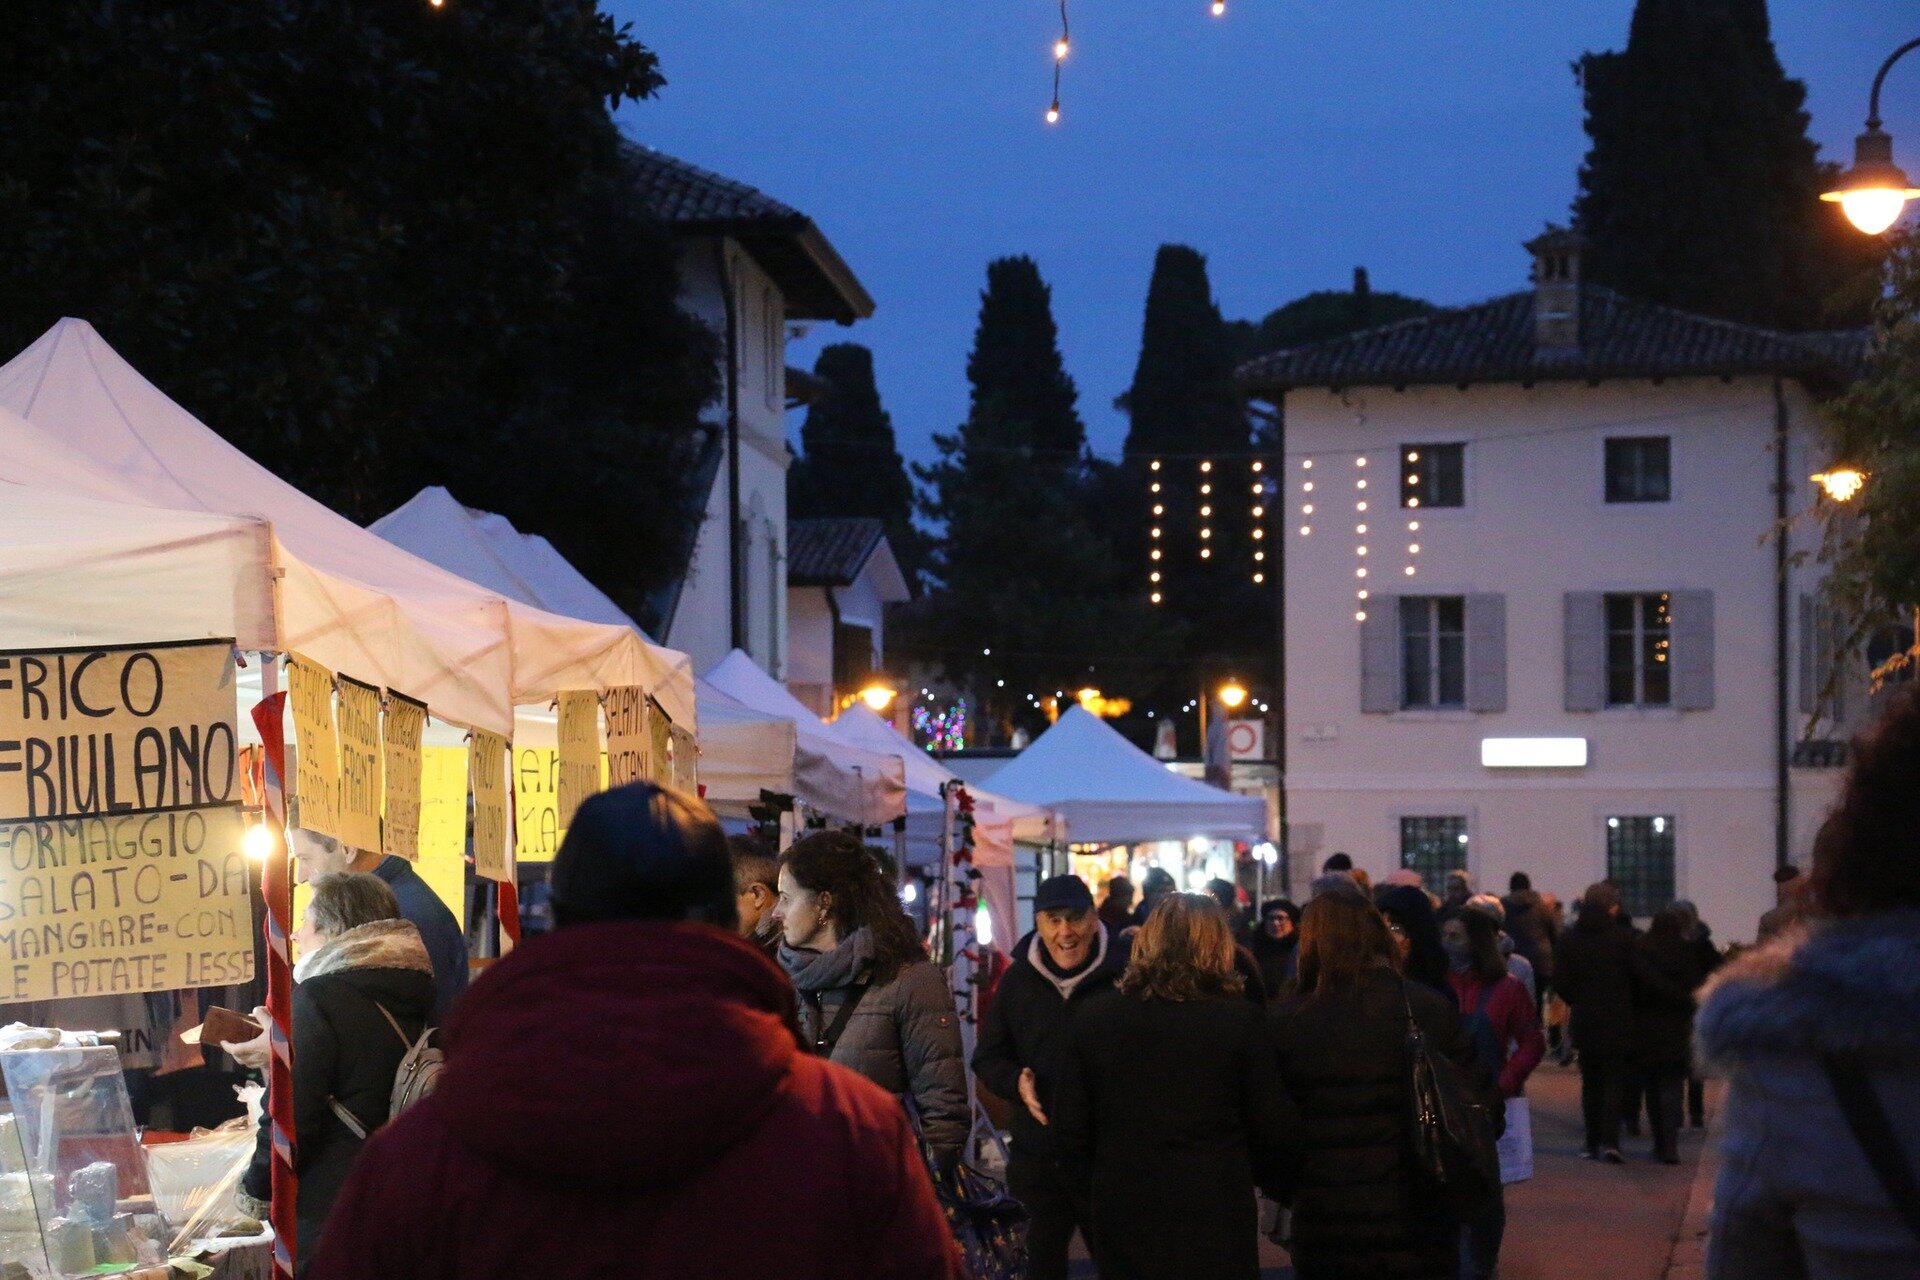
[{"x": 1582, "y": 1220}]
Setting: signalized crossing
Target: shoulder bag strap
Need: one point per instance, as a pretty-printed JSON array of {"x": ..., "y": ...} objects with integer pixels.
[
  {"x": 830, "y": 1035},
  {"x": 1873, "y": 1130},
  {"x": 395, "y": 1024}
]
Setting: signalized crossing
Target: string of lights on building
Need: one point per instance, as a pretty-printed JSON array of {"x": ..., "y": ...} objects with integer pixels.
[
  {"x": 1063, "y": 45},
  {"x": 1209, "y": 472}
]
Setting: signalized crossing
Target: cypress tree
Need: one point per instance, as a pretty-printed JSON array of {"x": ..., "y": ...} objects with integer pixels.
[
  {"x": 1022, "y": 395},
  {"x": 1701, "y": 186},
  {"x": 850, "y": 464}
]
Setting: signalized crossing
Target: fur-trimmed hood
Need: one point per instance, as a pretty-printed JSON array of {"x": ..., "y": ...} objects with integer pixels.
[
  {"x": 1839, "y": 986},
  {"x": 384, "y": 944}
]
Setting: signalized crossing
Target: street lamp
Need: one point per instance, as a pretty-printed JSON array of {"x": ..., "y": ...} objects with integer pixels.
[
  {"x": 1232, "y": 695},
  {"x": 1874, "y": 191},
  {"x": 878, "y": 697}
]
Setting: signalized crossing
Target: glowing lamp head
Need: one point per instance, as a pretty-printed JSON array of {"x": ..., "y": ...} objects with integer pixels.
[
  {"x": 1842, "y": 484},
  {"x": 258, "y": 842},
  {"x": 1233, "y": 695},
  {"x": 1875, "y": 191},
  {"x": 877, "y": 696}
]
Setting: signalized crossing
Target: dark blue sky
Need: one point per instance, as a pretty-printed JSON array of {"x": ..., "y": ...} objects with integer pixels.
[{"x": 1289, "y": 141}]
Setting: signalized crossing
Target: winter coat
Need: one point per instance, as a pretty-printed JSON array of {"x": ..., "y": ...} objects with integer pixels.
[
  {"x": 344, "y": 1049},
  {"x": 1279, "y": 963},
  {"x": 904, "y": 1034},
  {"x": 445, "y": 940},
  {"x": 1534, "y": 931},
  {"x": 1026, "y": 1026},
  {"x": 1515, "y": 1020},
  {"x": 1666, "y": 974},
  {"x": 1594, "y": 975},
  {"x": 1360, "y": 1210},
  {"x": 1168, "y": 1114},
  {"x": 627, "y": 1099},
  {"x": 1412, "y": 910},
  {"x": 1795, "y": 1197}
]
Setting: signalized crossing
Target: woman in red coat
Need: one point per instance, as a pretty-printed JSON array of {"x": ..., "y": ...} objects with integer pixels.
[{"x": 1500, "y": 1018}]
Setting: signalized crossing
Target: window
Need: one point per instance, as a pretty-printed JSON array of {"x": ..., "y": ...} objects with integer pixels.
[
  {"x": 1639, "y": 469},
  {"x": 1433, "y": 847},
  {"x": 1433, "y": 651},
  {"x": 1433, "y": 475},
  {"x": 1640, "y": 862},
  {"x": 1640, "y": 650}
]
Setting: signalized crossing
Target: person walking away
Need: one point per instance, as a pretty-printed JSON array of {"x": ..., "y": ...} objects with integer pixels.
[
  {"x": 1666, "y": 974},
  {"x": 1788, "y": 889},
  {"x": 1699, "y": 937},
  {"x": 1416, "y": 937},
  {"x": 1157, "y": 884},
  {"x": 756, "y": 887},
  {"x": 869, "y": 997},
  {"x": 363, "y": 987},
  {"x": 1818, "y": 1036},
  {"x": 315, "y": 855},
  {"x": 1517, "y": 965},
  {"x": 1534, "y": 928},
  {"x": 1116, "y": 908},
  {"x": 1070, "y": 957},
  {"x": 1360, "y": 1209},
  {"x": 1594, "y": 975},
  {"x": 618, "y": 1092},
  {"x": 1276, "y": 946},
  {"x": 1500, "y": 1019},
  {"x": 1170, "y": 1111}
]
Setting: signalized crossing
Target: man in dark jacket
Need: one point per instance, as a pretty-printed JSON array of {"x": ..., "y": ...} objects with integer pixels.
[
  {"x": 756, "y": 887},
  {"x": 1532, "y": 929},
  {"x": 625, "y": 1097},
  {"x": 1069, "y": 957},
  {"x": 1594, "y": 975}
]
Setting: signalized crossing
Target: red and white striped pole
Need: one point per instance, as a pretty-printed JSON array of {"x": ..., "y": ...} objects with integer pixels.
[{"x": 277, "y": 885}]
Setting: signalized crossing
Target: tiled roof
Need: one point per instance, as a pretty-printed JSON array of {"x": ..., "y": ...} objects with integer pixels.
[
  {"x": 1620, "y": 337},
  {"x": 830, "y": 552},
  {"x": 687, "y": 195}
]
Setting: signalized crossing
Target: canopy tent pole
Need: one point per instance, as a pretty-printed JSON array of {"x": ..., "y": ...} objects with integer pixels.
[{"x": 277, "y": 887}]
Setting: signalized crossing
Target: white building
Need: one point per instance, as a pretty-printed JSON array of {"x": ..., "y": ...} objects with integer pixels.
[
  {"x": 1537, "y": 617},
  {"x": 749, "y": 265},
  {"x": 841, "y": 576}
]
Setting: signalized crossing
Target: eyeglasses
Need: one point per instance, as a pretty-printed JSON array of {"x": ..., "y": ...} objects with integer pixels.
[{"x": 1396, "y": 931}]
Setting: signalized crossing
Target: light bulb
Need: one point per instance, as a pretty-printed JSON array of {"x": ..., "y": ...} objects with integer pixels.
[
  {"x": 1256, "y": 465},
  {"x": 1360, "y": 461},
  {"x": 1307, "y": 487},
  {"x": 1259, "y": 533},
  {"x": 257, "y": 842},
  {"x": 1206, "y": 533},
  {"x": 1154, "y": 465},
  {"x": 1414, "y": 550},
  {"x": 1219, "y": 8},
  {"x": 1053, "y": 112},
  {"x": 1359, "y": 506},
  {"x": 1259, "y": 577},
  {"x": 1305, "y": 529},
  {"x": 1307, "y": 510},
  {"x": 1409, "y": 571},
  {"x": 1206, "y": 488},
  {"x": 1259, "y": 555},
  {"x": 1206, "y": 511},
  {"x": 1154, "y": 576},
  {"x": 1873, "y": 209},
  {"x": 1156, "y": 553},
  {"x": 1060, "y": 49},
  {"x": 1307, "y": 465},
  {"x": 1360, "y": 573},
  {"x": 1155, "y": 486},
  {"x": 1413, "y": 457},
  {"x": 1205, "y": 467},
  {"x": 1360, "y": 551},
  {"x": 1363, "y": 593},
  {"x": 1360, "y": 616},
  {"x": 1359, "y": 528},
  {"x": 1412, "y": 526},
  {"x": 1258, "y": 512},
  {"x": 1359, "y": 484},
  {"x": 1155, "y": 531},
  {"x": 1156, "y": 597},
  {"x": 1205, "y": 552}
]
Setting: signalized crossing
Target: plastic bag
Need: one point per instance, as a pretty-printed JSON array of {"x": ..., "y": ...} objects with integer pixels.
[{"x": 194, "y": 1182}]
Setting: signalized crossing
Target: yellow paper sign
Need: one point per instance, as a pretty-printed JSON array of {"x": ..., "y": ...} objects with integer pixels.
[
  {"x": 402, "y": 730},
  {"x": 536, "y": 803},
  {"x": 316, "y": 772},
  {"x": 357, "y": 714},
  {"x": 126, "y": 902},
  {"x": 579, "y": 755},
  {"x": 443, "y": 825},
  {"x": 659, "y": 746},
  {"x": 686, "y": 762},
  {"x": 627, "y": 739},
  {"x": 113, "y": 730},
  {"x": 489, "y": 763}
]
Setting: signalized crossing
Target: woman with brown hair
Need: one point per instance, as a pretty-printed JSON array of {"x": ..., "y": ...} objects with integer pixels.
[
  {"x": 1360, "y": 1207},
  {"x": 1170, "y": 1111}
]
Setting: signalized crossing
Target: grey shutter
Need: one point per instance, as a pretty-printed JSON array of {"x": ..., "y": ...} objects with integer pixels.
[
  {"x": 1809, "y": 669},
  {"x": 1585, "y": 636},
  {"x": 1693, "y": 650},
  {"x": 1380, "y": 674},
  {"x": 1486, "y": 653},
  {"x": 1831, "y": 633}
]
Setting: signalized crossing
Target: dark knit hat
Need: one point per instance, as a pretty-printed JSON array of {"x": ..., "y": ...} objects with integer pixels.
[
  {"x": 1063, "y": 893},
  {"x": 642, "y": 852}
]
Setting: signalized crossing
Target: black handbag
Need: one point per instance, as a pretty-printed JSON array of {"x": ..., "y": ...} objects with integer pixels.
[{"x": 1453, "y": 1134}]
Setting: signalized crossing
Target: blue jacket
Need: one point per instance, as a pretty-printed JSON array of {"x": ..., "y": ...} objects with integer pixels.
[{"x": 446, "y": 940}]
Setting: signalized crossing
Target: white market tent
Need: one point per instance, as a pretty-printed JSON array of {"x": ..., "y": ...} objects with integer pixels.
[
  {"x": 1111, "y": 792},
  {"x": 1031, "y": 823},
  {"x": 742, "y": 751},
  {"x": 89, "y": 424}
]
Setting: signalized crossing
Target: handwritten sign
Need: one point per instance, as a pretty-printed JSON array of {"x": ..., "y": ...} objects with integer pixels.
[
  {"x": 443, "y": 825},
  {"x": 111, "y": 904},
  {"x": 489, "y": 782},
  {"x": 686, "y": 762},
  {"x": 627, "y": 739},
  {"x": 579, "y": 755},
  {"x": 100, "y": 731},
  {"x": 536, "y": 803},
  {"x": 402, "y": 730},
  {"x": 357, "y": 714},
  {"x": 316, "y": 773}
]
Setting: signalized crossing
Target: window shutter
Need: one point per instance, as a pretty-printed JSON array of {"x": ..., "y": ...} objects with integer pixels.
[
  {"x": 1585, "y": 636},
  {"x": 1809, "y": 669},
  {"x": 1693, "y": 650},
  {"x": 1380, "y": 675},
  {"x": 1486, "y": 653}
]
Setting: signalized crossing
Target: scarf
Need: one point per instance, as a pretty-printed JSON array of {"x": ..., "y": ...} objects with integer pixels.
[
  {"x": 384, "y": 944},
  {"x": 817, "y": 971},
  {"x": 1065, "y": 983}
]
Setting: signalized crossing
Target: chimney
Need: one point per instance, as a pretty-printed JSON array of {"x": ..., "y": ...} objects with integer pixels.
[{"x": 1556, "y": 291}]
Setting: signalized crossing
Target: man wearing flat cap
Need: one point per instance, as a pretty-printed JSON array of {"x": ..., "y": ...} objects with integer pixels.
[{"x": 1069, "y": 956}]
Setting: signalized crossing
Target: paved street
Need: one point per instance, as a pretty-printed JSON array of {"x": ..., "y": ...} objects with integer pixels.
[{"x": 1578, "y": 1220}]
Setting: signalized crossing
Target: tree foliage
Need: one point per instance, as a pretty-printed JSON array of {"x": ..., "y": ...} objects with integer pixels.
[
  {"x": 850, "y": 463},
  {"x": 1324, "y": 314},
  {"x": 1701, "y": 186},
  {"x": 375, "y": 245}
]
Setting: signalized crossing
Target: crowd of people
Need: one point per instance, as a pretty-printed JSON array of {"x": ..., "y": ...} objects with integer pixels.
[{"x": 723, "y": 1063}]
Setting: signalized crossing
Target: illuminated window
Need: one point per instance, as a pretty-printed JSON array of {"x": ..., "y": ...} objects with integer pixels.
[
  {"x": 1434, "y": 846},
  {"x": 1640, "y": 650},
  {"x": 1640, "y": 857}
]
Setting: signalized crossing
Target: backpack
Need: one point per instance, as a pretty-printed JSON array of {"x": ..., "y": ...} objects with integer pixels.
[{"x": 417, "y": 1076}]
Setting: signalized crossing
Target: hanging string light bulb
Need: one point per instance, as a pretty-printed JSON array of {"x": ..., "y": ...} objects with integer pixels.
[
  {"x": 1061, "y": 47},
  {"x": 1219, "y": 8}
]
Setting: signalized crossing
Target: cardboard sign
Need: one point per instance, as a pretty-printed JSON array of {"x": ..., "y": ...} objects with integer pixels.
[
  {"x": 402, "y": 730},
  {"x": 315, "y": 804},
  {"x": 113, "y": 904},
  {"x": 579, "y": 754},
  {"x": 659, "y": 746},
  {"x": 536, "y": 803},
  {"x": 489, "y": 782},
  {"x": 686, "y": 762},
  {"x": 357, "y": 714},
  {"x": 443, "y": 825},
  {"x": 114, "y": 730},
  {"x": 627, "y": 737}
]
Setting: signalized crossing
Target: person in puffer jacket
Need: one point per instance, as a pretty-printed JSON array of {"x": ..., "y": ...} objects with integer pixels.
[
  {"x": 846, "y": 940},
  {"x": 1828, "y": 1010}
]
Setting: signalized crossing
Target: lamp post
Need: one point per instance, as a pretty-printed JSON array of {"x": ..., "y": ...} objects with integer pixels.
[{"x": 1875, "y": 190}]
